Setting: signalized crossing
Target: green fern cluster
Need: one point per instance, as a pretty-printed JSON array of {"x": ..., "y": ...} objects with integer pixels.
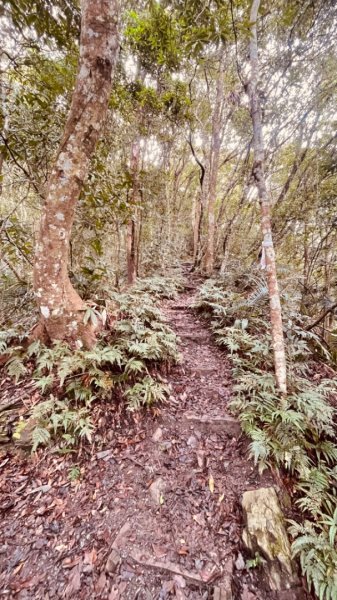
[
  {"x": 295, "y": 433},
  {"x": 160, "y": 287},
  {"x": 315, "y": 545},
  {"x": 124, "y": 363}
]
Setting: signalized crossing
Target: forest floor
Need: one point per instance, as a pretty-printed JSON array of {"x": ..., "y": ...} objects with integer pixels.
[{"x": 156, "y": 513}]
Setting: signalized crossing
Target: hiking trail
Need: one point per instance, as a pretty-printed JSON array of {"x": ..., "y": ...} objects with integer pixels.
[{"x": 156, "y": 513}]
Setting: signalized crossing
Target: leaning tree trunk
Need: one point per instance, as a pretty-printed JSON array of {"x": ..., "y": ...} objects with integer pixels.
[
  {"x": 61, "y": 307},
  {"x": 268, "y": 253}
]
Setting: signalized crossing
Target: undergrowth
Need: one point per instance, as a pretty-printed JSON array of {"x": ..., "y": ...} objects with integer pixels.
[
  {"x": 124, "y": 365},
  {"x": 295, "y": 433}
]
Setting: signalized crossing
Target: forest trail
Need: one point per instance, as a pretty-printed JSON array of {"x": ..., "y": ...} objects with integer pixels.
[{"x": 156, "y": 513}]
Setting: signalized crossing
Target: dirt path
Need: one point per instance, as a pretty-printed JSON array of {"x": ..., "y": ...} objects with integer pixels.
[{"x": 160, "y": 500}]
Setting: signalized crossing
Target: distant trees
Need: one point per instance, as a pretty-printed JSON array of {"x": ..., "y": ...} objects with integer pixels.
[{"x": 175, "y": 170}]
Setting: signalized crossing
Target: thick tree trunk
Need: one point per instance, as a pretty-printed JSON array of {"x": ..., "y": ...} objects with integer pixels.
[
  {"x": 214, "y": 168},
  {"x": 60, "y": 305},
  {"x": 131, "y": 238},
  {"x": 268, "y": 253}
]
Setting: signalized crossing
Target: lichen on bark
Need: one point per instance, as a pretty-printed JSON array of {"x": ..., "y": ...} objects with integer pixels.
[{"x": 61, "y": 307}]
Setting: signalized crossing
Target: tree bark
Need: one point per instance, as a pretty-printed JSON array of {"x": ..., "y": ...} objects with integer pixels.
[
  {"x": 61, "y": 307},
  {"x": 268, "y": 253},
  {"x": 131, "y": 237},
  {"x": 197, "y": 217},
  {"x": 214, "y": 168}
]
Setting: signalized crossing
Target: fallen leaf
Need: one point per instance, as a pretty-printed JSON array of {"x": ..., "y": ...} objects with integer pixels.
[
  {"x": 90, "y": 557},
  {"x": 100, "y": 585},
  {"x": 74, "y": 583},
  {"x": 69, "y": 563},
  {"x": 18, "y": 568},
  {"x": 200, "y": 519},
  {"x": 211, "y": 484}
]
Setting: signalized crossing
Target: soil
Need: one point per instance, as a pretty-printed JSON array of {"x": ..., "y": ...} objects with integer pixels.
[{"x": 156, "y": 511}]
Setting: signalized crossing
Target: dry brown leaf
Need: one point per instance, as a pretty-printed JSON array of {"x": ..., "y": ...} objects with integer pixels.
[
  {"x": 90, "y": 557},
  {"x": 74, "y": 583},
  {"x": 100, "y": 585},
  {"x": 183, "y": 551}
]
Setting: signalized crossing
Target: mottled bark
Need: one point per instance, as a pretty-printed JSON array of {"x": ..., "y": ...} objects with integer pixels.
[
  {"x": 217, "y": 125},
  {"x": 268, "y": 253},
  {"x": 60, "y": 305}
]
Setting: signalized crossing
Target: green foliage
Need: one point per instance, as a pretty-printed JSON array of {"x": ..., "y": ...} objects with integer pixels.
[
  {"x": 155, "y": 37},
  {"x": 295, "y": 433},
  {"x": 74, "y": 473},
  {"x": 160, "y": 287},
  {"x": 121, "y": 365},
  {"x": 315, "y": 545},
  {"x": 254, "y": 563},
  {"x": 145, "y": 393},
  {"x": 57, "y": 21},
  {"x": 55, "y": 418}
]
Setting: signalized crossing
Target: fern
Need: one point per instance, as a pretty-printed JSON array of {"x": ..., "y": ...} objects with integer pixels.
[
  {"x": 40, "y": 437},
  {"x": 295, "y": 433},
  {"x": 16, "y": 368},
  {"x": 120, "y": 362},
  {"x": 146, "y": 393},
  {"x": 315, "y": 547}
]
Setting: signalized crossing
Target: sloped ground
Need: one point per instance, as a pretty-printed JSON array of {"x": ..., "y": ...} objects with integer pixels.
[{"x": 160, "y": 497}]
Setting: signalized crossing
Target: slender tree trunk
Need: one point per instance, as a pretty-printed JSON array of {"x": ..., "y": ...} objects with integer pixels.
[
  {"x": 197, "y": 214},
  {"x": 268, "y": 253},
  {"x": 214, "y": 168},
  {"x": 60, "y": 305},
  {"x": 132, "y": 243}
]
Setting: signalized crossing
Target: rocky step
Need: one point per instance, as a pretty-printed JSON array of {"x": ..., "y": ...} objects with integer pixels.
[{"x": 214, "y": 424}]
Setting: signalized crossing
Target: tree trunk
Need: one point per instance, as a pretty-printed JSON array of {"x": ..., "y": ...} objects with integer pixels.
[
  {"x": 61, "y": 307},
  {"x": 214, "y": 168},
  {"x": 131, "y": 238},
  {"x": 268, "y": 253},
  {"x": 196, "y": 220}
]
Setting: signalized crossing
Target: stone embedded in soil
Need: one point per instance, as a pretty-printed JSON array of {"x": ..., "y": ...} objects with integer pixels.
[
  {"x": 156, "y": 490},
  {"x": 104, "y": 454},
  {"x": 265, "y": 534},
  {"x": 221, "y": 425},
  {"x": 113, "y": 562},
  {"x": 158, "y": 434}
]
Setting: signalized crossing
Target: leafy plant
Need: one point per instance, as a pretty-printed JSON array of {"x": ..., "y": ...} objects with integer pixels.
[
  {"x": 315, "y": 545},
  {"x": 121, "y": 365},
  {"x": 74, "y": 473},
  {"x": 160, "y": 287},
  {"x": 145, "y": 393}
]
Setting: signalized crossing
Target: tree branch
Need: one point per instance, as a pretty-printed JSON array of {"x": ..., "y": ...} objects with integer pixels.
[{"x": 321, "y": 317}]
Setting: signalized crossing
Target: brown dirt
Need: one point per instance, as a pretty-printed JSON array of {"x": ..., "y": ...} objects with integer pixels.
[{"x": 168, "y": 489}]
